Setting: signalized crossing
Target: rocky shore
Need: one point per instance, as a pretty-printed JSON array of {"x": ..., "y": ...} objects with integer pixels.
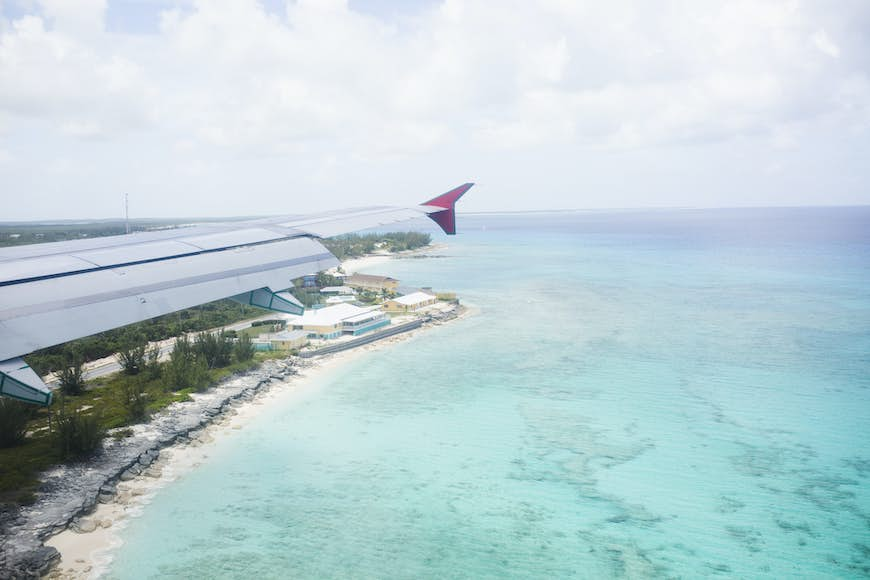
[{"x": 72, "y": 491}]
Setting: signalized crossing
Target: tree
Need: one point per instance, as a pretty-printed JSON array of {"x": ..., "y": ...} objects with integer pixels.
[
  {"x": 322, "y": 279},
  {"x": 243, "y": 349},
  {"x": 132, "y": 358},
  {"x": 133, "y": 397},
  {"x": 185, "y": 368},
  {"x": 77, "y": 434},
  {"x": 152, "y": 362},
  {"x": 14, "y": 416},
  {"x": 71, "y": 379},
  {"x": 214, "y": 348}
]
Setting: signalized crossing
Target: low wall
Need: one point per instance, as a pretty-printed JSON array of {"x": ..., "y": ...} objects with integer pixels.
[{"x": 365, "y": 339}]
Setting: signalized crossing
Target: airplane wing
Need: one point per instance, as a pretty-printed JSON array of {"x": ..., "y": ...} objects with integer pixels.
[{"x": 56, "y": 292}]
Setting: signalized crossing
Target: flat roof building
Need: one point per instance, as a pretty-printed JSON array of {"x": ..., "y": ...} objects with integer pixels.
[
  {"x": 370, "y": 282},
  {"x": 340, "y": 298},
  {"x": 334, "y": 321},
  {"x": 285, "y": 340},
  {"x": 409, "y": 302},
  {"x": 337, "y": 290}
]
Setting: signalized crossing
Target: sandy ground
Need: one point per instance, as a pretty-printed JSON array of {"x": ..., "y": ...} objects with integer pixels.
[
  {"x": 357, "y": 264},
  {"x": 86, "y": 547}
]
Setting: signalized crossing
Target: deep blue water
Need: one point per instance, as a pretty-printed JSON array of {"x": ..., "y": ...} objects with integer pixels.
[{"x": 640, "y": 394}]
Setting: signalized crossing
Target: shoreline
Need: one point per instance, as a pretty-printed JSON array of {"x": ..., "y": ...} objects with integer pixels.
[
  {"x": 86, "y": 546},
  {"x": 71, "y": 530}
]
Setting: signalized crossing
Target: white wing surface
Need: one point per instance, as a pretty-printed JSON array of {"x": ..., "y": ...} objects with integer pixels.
[{"x": 56, "y": 292}]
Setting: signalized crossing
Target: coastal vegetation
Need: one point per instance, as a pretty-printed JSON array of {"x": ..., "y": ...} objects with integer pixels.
[
  {"x": 14, "y": 416},
  {"x": 77, "y": 433},
  {"x": 33, "y": 439},
  {"x": 71, "y": 379},
  {"x": 356, "y": 245},
  {"x": 23, "y": 233},
  {"x": 119, "y": 340}
]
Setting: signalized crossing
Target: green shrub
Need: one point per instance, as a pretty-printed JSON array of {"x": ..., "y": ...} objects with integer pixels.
[
  {"x": 243, "y": 349},
  {"x": 77, "y": 434},
  {"x": 71, "y": 380},
  {"x": 214, "y": 348},
  {"x": 185, "y": 368},
  {"x": 132, "y": 359},
  {"x": 153, "y": 368},
  {"x": 134, "y": 398},
  {"x": 14, "y": 416}
]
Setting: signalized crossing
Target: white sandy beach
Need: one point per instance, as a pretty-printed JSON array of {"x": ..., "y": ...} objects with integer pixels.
[{"x": 86, "y": 546}]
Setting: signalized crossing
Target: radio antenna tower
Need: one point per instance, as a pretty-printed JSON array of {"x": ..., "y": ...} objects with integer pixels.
[{"x": 127, "y": 212}]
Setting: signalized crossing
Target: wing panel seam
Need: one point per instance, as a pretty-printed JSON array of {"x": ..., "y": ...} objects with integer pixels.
[
  {"x": 116, "y": 294},
  {"x": 139, "y": 262}
]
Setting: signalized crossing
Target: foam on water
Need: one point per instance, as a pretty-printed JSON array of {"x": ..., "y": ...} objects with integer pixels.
[{"x": 665, "y": 394}]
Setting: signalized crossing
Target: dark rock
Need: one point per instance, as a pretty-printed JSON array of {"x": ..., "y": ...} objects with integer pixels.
[
  {"x": 32, "y": 563},
  {"x": 148, "y": 457}
]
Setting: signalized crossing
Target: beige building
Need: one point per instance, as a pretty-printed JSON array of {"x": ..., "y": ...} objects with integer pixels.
[
  {"x": 409, "y": 302},
  {"x": 370, "y": 282},
  {"x": 286, "y": 340}
]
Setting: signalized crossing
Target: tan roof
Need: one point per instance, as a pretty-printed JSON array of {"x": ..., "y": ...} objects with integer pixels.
[
  {"x": 413, "y": 299},
  {"x": 369, "y": 278}
]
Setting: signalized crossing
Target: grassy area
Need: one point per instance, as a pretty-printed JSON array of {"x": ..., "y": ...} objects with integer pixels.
[{"x": 20, "y": 466}]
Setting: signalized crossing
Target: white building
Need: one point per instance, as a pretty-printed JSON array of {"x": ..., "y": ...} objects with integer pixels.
[
  {"x": 409, "y": 302},
  {"x": 338, "y": 290},
  {"x": 333, "y": 321}
]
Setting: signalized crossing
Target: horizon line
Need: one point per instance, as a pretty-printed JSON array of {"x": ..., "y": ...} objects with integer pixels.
[{"x": 199, "y": 219}]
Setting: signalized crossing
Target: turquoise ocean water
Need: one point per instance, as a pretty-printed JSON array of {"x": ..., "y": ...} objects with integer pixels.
[{"x": 660, "y": 394}]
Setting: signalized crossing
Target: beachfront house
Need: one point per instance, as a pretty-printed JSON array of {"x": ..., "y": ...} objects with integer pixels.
[
  {"x": 409, "y": 302},
  {"x": 286, "y": 340},
  {"x": 338, "y": 290},
  {"x": 340, "y": 298},
  {"x": 340, "y": 319},
  {"x": 372, "y": 283}
]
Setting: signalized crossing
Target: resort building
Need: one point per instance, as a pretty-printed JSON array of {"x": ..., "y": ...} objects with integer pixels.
[
  {"x": 369, "y": 282},
  {"x": 409, "y": 302},
  {"x": 337, "y": 290},
  {"x": 335, "y": 321},
  {"x": 285, "y": 340},
  {"x": 340, "y": 298}
]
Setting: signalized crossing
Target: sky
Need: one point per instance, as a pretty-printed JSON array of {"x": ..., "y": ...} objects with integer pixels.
[{"x": 245, "y": 107}]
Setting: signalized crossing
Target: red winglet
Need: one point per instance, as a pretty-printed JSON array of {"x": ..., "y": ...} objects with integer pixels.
[{"x": 446, "y": 217}]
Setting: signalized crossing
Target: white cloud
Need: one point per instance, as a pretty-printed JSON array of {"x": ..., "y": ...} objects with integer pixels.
[
  {"x": 325, "y": 88},
  {"x": 48, "y": 76},
  {"x": 824, "y": 43},
  {"x": 79, "y": 18}
]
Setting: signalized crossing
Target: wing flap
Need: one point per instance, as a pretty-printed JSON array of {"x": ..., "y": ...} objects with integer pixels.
[{"x": 17, "y": 380}]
